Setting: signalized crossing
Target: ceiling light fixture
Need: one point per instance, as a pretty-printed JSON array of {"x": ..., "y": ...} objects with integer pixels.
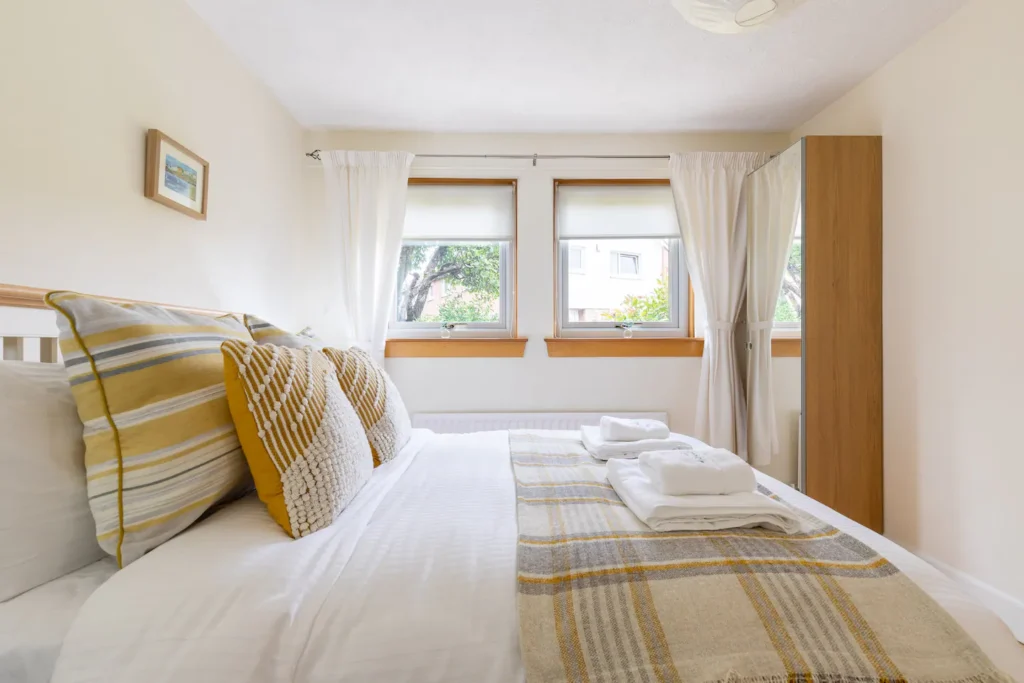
[
  {"x": 756, "y": 12},
  {"x": 731, "y": 16}
]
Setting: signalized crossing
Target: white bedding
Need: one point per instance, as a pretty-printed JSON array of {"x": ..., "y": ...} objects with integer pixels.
[
  {"x": 415, "y": 583},
  {"x": 33, "y": 624}
]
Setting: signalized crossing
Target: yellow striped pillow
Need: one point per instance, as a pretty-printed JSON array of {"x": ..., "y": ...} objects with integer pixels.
[
  {"x": 265, "y": 333},
  {"x": 376, "y": 400},
  {"x": 305, "y": 445},
  {"x": 160, "y": 446}
]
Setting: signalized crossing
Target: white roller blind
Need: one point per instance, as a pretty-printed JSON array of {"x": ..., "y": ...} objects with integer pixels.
[
  {"x": 622, "y": 211},
  {"x": 460, "y": 212}
]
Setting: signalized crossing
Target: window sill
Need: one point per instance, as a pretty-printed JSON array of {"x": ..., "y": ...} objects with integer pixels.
[
  {"x": 618, "y": 347},
  {"x": 648, "y": 347},
  {"x": 783, "y": 347},
  {"x": 455, "y": 348}
]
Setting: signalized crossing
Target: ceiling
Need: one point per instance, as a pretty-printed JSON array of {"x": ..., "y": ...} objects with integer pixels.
[{"x": 558, "y": 65}]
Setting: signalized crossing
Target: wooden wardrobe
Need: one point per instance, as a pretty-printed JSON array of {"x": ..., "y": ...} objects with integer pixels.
[
  {"x": 840, "y": 461},
  {"x": 842, "y": 325}
]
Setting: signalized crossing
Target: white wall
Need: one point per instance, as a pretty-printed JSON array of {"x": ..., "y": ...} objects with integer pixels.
[
  {"x": 537, "y": 382},
  {"x": 80, "y": 83},
  {"x": 951, "y": 110}
]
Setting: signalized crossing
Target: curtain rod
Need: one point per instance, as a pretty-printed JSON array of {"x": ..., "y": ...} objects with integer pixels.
[{"x": 315, "y": 154}]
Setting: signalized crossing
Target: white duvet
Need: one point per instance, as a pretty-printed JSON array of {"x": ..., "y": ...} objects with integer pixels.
[
  {"x": 33, "y": 624},
  {"x": 415, "y": 583}
]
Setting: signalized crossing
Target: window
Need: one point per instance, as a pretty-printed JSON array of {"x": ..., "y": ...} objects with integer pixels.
[
  {"x": 789, "y": 309},
  {"x": 625, "y": 264},
  {"x": 576, "y": 259},
  {"x": 456, "y": 267},
  {"x": 633, "y": 271}
]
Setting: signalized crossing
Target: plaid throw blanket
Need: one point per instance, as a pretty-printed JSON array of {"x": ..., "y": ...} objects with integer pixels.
[{"x": 603, "y": 598}]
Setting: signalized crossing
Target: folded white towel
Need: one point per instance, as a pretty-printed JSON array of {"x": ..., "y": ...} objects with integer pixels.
[
  {"x": 713, "y": 471},
  {"x": 696, "y": 513},
  {"x": 626, "y": 429},
  {"x": 602, "y": 449}
]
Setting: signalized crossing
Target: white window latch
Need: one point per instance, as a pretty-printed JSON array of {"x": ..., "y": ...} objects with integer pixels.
[
  {"x": 627, "y": 328},
  {"x": 446, "y": 329}
]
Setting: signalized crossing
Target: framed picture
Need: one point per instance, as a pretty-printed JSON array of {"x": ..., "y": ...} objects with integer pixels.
[{"x": 175, "y": 176}]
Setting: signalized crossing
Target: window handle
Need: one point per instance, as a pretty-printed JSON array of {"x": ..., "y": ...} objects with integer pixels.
[
  {"x": 627, "y": 328},
  {"x": 446, "y": 329}
]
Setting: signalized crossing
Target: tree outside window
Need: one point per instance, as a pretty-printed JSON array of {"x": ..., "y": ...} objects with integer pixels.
[
  {"x": 471, "y": 274},
  {"x": 790, "y": 305}
]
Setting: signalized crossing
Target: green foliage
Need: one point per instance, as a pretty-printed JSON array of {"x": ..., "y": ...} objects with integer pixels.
[
  {"x": 653, "y": 307},
  {"x": 459, "y": 309},
  {"x": 473, "y": 269},
  {"x": 787, "y": 310},
  {"x": 795, "y": 256},
  {"x": 784, "y": 311}
]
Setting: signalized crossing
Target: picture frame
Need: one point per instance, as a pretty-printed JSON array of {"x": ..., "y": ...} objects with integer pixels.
[{"x": 176, "y": 176}]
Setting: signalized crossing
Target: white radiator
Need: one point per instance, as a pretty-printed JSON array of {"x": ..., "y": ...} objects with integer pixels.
[{"x": 458, "y": 423}]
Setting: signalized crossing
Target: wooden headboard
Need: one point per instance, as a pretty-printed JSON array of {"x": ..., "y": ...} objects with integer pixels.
[
  {"x": 20, "y": 344},
  {"x": 17, "y": 296}
]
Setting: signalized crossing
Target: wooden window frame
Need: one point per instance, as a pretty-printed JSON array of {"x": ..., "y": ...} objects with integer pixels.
[
  {"x": 651, "y": 346},
  {"x": 646, "y": 345},
  {"x": 465, "y": 346}
]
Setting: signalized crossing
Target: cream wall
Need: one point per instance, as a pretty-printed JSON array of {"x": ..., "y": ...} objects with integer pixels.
[
  {"x": 80, "y": 82},
  {"x": 950, "y": 109},
  {"x": 536, "y": 382}
]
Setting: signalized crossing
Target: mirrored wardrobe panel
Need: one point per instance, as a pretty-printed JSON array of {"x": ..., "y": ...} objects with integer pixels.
[{"x": 814, "y": 273}]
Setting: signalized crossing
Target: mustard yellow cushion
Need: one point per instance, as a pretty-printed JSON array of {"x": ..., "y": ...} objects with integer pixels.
[
  {"x": 303, "y": 440},
  {"x": 376, "y": 400},
  {"x": 266, "y": 333},
  {"x": 160, "y": 446}
]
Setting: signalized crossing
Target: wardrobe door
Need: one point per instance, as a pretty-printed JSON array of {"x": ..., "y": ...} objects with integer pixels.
[{"x": 842, "y": 325}]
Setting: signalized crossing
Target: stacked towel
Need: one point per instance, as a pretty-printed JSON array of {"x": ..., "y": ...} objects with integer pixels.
[
  {"x": 625, "y": 429},
  {"x": 602, "y": 449},
  {"x": 696, "y": 513},
  {"x": 712, "y": 471}
]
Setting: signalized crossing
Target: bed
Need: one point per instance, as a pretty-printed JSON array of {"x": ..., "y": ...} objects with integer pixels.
[
  {"x": 416, "y": 582},
  {"x": 34, "y": 623}
]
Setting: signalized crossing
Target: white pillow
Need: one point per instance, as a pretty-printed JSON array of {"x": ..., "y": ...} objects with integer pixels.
[{"x": 46, "y": 528}]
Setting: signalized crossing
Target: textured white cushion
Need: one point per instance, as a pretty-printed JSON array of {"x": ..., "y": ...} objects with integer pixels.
[{"x": 46, "y": 528}]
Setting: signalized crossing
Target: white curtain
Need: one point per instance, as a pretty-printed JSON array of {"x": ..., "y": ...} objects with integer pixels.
[
  {"x": 708, "y": 189},
  {"x": 775, "y": 207},
  {"x": 366, "y": 194}
]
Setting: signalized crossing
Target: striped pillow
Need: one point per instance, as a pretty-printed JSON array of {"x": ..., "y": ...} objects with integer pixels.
[
  {"x": 265, "y": 333},
  {"x": 160, "y": 446},
  {"x": 304, "y": 443},
  {"x": 376, "y": 400}
]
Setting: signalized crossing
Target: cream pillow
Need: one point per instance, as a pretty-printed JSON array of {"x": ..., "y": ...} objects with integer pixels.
[
  {"x": 376, "y": 400},
  {"x": 46, "y": 529},
  {"x": 303, "y": 440}
]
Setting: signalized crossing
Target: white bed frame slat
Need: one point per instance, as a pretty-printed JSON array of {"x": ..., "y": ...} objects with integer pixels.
[
  {"x": 14, "y": 348},
  {"x": 34, "y": 349},
  {"x": 49, "y": 352}
]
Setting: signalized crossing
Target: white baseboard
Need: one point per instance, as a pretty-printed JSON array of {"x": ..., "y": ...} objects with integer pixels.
[{"x": 1005, "y": 606}]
